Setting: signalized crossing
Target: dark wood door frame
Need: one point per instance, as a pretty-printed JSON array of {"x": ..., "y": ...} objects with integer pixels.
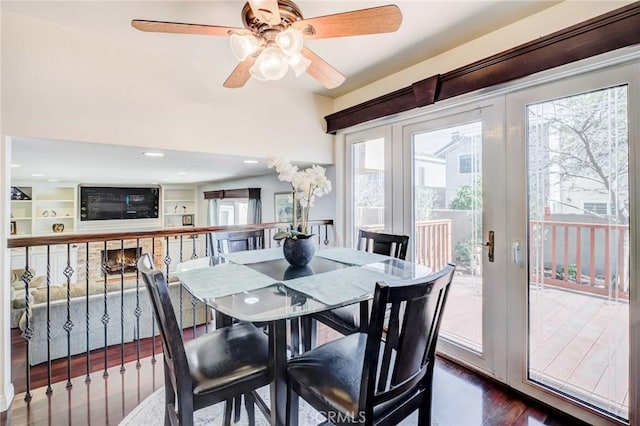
[{"x": 611, "y": 31}]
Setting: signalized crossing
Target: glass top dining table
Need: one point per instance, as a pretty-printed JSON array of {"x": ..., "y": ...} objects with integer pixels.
[{"x": 260, "y": 286}]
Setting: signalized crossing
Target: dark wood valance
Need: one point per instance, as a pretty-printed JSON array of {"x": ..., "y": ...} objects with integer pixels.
[
  {"x": 250, "y": 193},
  {"x": 604, "y": 33}
]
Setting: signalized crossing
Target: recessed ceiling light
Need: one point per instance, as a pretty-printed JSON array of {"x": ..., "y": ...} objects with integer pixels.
[
  {"x": 52, "y": 180},
  {"x": 250, "y": 161},
  {"x": 153, "y": 154},
  {"x": 182, "y": 173},
  {"x": 15, "y": 165},
  {"x": 37, "y": 175},
  {"x": 164, "y": 179}
]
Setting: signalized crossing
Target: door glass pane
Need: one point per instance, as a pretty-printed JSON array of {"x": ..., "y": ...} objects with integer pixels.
[
  {"x": 368, "y": 185},
  {"x": 448, "y": 221},
  {"x": 578, "y": 196}
]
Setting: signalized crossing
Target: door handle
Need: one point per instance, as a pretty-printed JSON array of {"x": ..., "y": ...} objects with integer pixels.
[
  {"x": 490, "y": 245},
  {"x": 516, "y": 252}
]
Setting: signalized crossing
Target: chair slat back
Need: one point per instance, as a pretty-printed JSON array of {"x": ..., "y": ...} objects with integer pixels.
[
  {"x": 158, "y": 290},
  {"x": 231, "y": 242},
  {"x": 387, "y": 244},
  {"x": 402, "y": 336}
]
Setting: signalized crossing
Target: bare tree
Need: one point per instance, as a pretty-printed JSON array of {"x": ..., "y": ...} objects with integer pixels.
[{"x": 587, "y": 144}]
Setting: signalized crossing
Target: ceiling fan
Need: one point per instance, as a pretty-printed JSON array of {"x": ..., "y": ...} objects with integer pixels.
[{"x": 272, "y": 40}]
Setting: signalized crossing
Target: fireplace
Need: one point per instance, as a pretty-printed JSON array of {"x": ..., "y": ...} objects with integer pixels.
[{"x": 115, "y": 260}]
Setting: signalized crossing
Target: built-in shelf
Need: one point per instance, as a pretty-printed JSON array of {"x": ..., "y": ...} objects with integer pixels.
[
  {"x": 49, "y": 205},
  {"x": 179, "y": 206}
]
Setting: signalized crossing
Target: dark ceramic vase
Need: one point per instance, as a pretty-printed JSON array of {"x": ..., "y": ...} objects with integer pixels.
[
  {"x": 299, "y": 252},
  {"x": 293, "y": 272}
]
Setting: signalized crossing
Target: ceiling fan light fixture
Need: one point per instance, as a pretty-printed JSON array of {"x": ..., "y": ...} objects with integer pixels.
[
  {"x": 243, "y": 45},
  {"x": 256, "y": 73},
  {"x": 272, "y": 63},
  {"x": 290, "y": 41},
  {"x": 299, "y": 64}
]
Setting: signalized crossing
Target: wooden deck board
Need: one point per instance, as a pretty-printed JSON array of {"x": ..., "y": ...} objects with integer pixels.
[{"x": 578, "y": 342}]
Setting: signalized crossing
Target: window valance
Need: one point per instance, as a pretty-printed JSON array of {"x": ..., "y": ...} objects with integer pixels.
[{"x": 250, "y": 193}]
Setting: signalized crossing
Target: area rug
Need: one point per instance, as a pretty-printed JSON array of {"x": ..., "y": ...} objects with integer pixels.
[{"x": 151, "y": 412}]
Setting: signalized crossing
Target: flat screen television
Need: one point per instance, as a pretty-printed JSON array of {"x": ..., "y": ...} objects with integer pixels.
[{"x": 119, "y": 202}]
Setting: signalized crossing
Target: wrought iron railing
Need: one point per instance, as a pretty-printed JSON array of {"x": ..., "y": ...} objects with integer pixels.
[{"x": 108, "y": 301}]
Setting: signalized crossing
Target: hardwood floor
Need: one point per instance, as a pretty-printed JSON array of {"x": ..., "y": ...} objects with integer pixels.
[{"x": 461, "y": 397}]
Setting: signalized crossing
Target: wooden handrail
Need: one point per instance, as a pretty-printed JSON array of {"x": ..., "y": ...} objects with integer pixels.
[{"x": 130, "y": 235}]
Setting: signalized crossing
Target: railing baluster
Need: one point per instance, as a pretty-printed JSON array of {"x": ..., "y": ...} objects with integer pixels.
[
  {"x": 153, "y": 318},
  {"x": 180, "y": 289},
  {"x": 554, "y": 242},
  {"x": 565, "y": 253},
  {"x": 579, "y": 255},
  {"x": 48, "y": 282},
  {"x": 194, "y": 255},
  {"x": 592, "y": 258},
  {"x": 122, "y": 266},
  {"x": 607, "y": 261},
  {"x": 68, "y": 325},
  {"x": 621, "y": 272},
  {"x": 137, "y": 312},
  {"x": 87, "y": 378},
  {"x": 105, "y": 315},
  {"x": 27, "y": 332}
]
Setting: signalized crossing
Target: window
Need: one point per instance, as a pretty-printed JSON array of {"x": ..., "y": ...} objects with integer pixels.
[
  {"x": 232, "y": 212},
  {"x": 601, "y": 209},
  {"x": 466, "y": 164}
]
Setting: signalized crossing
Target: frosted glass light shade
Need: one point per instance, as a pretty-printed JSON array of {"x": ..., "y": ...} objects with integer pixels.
[
  {"x": 272, "y": 64},
  {"x": 243, "y": 45},
  {"x": 290, "y": 41},
  {"x": 299, "y": 64},
  {"x": 257, "y": 73}
]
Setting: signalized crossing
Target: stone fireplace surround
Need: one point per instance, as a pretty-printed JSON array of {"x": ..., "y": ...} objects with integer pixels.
[{"x": 95, "y": 258}]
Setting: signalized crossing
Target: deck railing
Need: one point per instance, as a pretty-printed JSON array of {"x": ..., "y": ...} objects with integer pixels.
[
  {"x": 588, "y": 257},
  {"x": 106, "y": 304},
  {"x": 433, "y": 242}
]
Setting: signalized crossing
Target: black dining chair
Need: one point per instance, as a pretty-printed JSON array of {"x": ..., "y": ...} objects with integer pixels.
[
  {"x": 388, "y": 244},
  {"x": 382, "y": 376},
  {"x": 218, "y": 366},
  {"x": 346, "y": 319},
  {"x": 233, "y": 241}
]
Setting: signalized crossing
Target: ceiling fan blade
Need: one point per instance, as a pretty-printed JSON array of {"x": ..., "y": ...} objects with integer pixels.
[
  {"x": 322, "y": 71},
  {"x": 240, "y": 74},
  {"x": 180, "y": 28},
  {"x": 266, "y": 10},
  {"x": 383, "y": 19}
]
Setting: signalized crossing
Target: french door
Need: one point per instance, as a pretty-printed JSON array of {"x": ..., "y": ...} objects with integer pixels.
[
  {"x": 570, "y": 291},
  {"x": 532, "y": 193},
  {"x": 456, "y": 185}
]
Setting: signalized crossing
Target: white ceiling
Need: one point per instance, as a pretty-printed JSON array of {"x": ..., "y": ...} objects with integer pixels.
[{"x": 429, "y": 27}]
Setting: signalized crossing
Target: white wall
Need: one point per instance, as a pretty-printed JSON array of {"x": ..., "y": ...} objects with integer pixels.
[{"x": 6, "y": 387}]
